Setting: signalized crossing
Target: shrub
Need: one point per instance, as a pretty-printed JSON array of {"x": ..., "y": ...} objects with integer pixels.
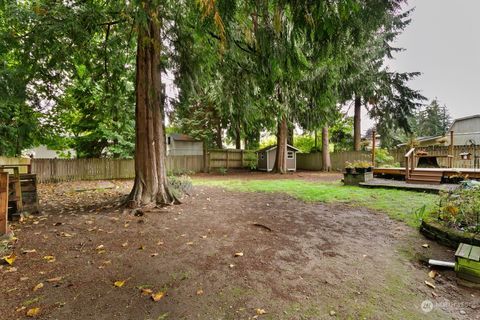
[
  {"x": 361, "y": 164},
  {"x": 460, "y": 209},
  {"x": 384, "y": 159},
  {"x": 179, "y": 185}
]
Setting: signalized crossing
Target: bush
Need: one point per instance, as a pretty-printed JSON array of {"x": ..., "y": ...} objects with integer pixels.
[
  {"x": 460, "y": 210},
  {"x": 179, "y": 185},
  {"x": 384, "y": 159}
]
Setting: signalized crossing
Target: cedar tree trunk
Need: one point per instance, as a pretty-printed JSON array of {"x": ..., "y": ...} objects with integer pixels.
[
  {"x": 218, "y": 136},
  {"x": 290, "y": 135},
  {"x": 326, "y": 163},
  {"x": 238, "y": 138},
  {"x": 357, "y": 123},
  {"x": 150, "y": 187},
  {"x": 281, "y": 155}
]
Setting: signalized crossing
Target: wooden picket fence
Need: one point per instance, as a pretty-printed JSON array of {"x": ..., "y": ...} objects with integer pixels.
[
  {"x": 231, "y": 158},
  {"x": 56, "y": 170},
  {"x": 313, "y": 161}
]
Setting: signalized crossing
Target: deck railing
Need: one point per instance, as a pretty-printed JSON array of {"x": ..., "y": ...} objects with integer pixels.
[{"x": 409, "y": 162}]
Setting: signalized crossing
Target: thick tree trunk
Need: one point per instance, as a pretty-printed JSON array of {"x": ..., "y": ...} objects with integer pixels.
[
  {"x": 238, "y": 138},
  {"x": 357, "y": 124},
  {"x": 281, "y": 155},
  {"x": 290, "y": 135},
  {"x": 326, "y": 163},
  {"x": 150, "y": 187},
  {"x": 218, "y": 137}
]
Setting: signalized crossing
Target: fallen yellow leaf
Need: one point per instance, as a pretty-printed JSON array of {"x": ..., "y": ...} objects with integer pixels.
[
  {"x": 38, "y": 286},
  {"x": 33, "y": 312},
  {"x": 49, "y": 258},
  {"x": 119, "y": 283},
  {"x": 199, "y": 292},
  {"x": 56, "y": 279},
  {"x": 125, "y": 244},
  {"x": 147, "y": 292},
  {"x": 432, "y": 274},
  {"x": 260, "y": 311},
  {"x": 10, "y": 259},
  {"x": 431, "y": 285},
  {"x": 239, "y": 254},
  {"x": 158, "y": 296}
]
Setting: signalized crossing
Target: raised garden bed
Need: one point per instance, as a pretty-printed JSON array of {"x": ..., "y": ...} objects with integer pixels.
[
  {"x": 447, "y": 236},
  {"x": 355, "y": 178}
]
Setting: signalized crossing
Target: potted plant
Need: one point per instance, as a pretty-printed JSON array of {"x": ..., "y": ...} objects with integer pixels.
[
  {"x": 349, "y": 167},
  {"x": 361, "y": 166}
]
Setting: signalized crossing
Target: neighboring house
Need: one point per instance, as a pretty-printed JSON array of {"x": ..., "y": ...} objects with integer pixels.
[
  {"x": 367, "y": 141},
  {"x": 465, "y": 131},
  {"x": 267, "y": 156},
  {"x": 183, "y": 145},
  {"x": 43, "y": 152}
]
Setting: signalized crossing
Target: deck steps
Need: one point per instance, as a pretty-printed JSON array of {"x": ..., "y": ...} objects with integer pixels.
[{"x": 419, "y": 176}]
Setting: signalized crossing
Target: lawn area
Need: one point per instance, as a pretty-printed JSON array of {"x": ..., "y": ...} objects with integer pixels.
[{"x": 398, "y": 204}]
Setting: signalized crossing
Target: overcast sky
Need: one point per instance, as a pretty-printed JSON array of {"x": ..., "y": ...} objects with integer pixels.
[{"x": 443, "y": 43}]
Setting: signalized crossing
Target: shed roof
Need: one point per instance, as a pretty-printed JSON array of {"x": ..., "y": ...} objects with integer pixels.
[
  {"x": 272, "y": 147},
  {"x": 182, "y": 137}
]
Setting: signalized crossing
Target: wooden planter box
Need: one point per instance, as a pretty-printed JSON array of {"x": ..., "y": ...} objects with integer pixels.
[
  {"x": 354, "y": 179},
  {"x": 467, "y": 264}
]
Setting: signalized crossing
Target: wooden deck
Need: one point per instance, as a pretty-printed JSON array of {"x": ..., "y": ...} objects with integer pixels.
[
  {"x": 447, "y": 172},
  {"x": 402, "y": 185}
]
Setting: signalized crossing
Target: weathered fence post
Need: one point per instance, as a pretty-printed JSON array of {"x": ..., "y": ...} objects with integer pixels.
[
  {"x": 226, "y": 153},
  {"x": 3, "y": 202}
]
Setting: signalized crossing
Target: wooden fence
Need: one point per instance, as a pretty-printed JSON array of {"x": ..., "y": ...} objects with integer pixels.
[
  {"x": 231, "y": 158},
  {"x": 313, "y": 161},
  {"x": 399, "y": 155},
  {"x": 55, "y": 170}
]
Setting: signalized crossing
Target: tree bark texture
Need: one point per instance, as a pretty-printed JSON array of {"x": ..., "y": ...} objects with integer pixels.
[
  {"x": 290, "y": 135},
  {"x": 326, "y": 163},
  {"x": 357, "y": 124},
  {"x": 150, "y": 186},
  {"x": 238, "y": 138},
  {"x": 218, "y": 136},
  {"x": 281, "y": 154}
]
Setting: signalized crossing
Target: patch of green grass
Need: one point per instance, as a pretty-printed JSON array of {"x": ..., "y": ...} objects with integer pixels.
[{"x": 398, "y": 204}]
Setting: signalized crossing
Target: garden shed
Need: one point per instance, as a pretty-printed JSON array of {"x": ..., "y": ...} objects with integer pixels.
[
  {"x": 179, "y": 144},
  {"x": 267, "y": 156}
]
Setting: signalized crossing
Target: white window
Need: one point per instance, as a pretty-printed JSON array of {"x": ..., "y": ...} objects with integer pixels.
[
  {"x": 168, "y": 140},
  {"x": 290, "y": 155}
]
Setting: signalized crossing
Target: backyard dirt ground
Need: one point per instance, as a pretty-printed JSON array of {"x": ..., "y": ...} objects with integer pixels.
[{"x": 221, "y": 255}]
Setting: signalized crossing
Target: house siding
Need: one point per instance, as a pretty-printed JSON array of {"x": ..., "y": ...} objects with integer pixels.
[
  {"x": 272, "y": 155},
  {"x": 292, "y": 163},
  {"x": 184, "y": 148},
  {"x": 262, "y": 163},
  {"x": 466, "y": 125}
]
